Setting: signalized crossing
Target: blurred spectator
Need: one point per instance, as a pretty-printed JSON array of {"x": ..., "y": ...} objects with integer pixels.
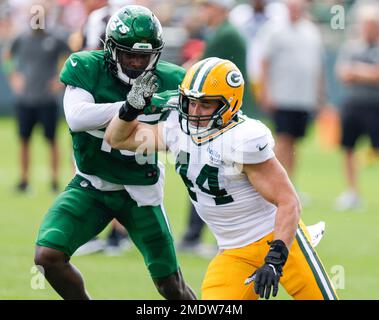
[
  {"x": 292, "y": 78},
  {"x": 94, "y": 27},
  {"x": 250, "y": 28},
  {"x": 5, "y": 21},
  {"x": 194, "y": 46},
  {"x": 78, "y": 39},
  {"x": 35, "y": 81},
  {"x": 222, "y": 40},
  {"x": 20, "y": 13},
  {"x": 358, "y": 69},
  {"x": 92, "y": 5},
  {"x": 249, "y": 18},
  {"x": 71, "y": 14}
]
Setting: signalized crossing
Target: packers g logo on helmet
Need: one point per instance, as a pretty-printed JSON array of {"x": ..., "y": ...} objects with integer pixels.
[
  {"x": 234, "y": 78},
  {"x": 211, "y": 79}
]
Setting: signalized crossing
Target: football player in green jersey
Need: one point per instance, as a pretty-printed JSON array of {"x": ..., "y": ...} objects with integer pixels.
[{"x": 112, "y": 183}]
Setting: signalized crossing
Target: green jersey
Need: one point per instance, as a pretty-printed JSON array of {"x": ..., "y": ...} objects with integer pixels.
[{"x": 89, "y": 71}]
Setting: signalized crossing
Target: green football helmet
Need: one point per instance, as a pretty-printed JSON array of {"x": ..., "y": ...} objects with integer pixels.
[{"x": 133, "y": 42}]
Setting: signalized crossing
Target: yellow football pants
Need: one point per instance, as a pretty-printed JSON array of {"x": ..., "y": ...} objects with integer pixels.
[{"x": 304, "y": 276}]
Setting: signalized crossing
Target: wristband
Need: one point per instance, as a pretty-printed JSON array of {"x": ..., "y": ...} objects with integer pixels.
[
  {"x": 128, "y": 113},
  {"x": 277, "y": 254}
]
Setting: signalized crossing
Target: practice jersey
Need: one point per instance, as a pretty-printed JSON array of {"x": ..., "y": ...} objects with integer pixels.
[
  {"x": 211, "y": 169},
  {"x": 93, "y": 156}
]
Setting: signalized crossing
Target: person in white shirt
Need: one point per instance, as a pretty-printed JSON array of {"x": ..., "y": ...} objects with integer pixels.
[
  {"x": 237, "y": 185},
  {"x": 292, "y": 78}
]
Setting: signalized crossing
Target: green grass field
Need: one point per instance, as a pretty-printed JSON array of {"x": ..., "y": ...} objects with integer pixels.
[{"x": 350, "y": 241}]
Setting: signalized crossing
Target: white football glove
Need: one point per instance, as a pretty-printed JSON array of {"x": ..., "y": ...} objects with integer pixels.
[{"x": 142, "y": 90}]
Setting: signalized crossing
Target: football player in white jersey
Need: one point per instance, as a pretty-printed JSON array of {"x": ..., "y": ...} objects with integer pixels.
[{"x": 235, "y": 182}]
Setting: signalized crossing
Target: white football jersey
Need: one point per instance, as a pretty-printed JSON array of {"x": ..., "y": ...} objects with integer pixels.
[{"x": 221, "y": 193}]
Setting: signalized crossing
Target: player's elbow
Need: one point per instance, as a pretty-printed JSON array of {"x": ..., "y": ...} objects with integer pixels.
[
  {"x": 108, "y": 137},
  {"x": 75, "y": 119},
  {"x": 75, "y": 125}
]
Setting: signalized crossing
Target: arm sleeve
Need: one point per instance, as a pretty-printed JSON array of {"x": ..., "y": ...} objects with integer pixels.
[
  {"x": 256, "y": 149},
  {"x": 82, "y": 113}
]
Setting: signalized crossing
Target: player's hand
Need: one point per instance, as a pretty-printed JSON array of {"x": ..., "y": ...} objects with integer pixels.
[
  {"x": 266, "y": 278},
  {"x": 139, "y": 96},
  {"x": 163, "y": 102},
  {"x": 142, "y": 90}
]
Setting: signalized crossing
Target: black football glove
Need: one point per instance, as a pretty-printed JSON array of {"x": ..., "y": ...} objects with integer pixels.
[
  {"x": 139, "y": 96},
  {"x": 267, "y": 277}
]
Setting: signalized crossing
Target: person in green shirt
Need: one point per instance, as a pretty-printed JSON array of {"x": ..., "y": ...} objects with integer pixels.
[
  {"x": 223, "y": 40},
  {"x": 112, "y": 184}
]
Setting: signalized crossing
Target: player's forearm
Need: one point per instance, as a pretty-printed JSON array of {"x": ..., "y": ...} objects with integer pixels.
[
  {"x": 119, "y": 133},
  {"x": 271, "y": 180},
  {"x": 83, "y": 114},
  {"x": 367, "y": 73},
  {"x": 286, "y": 222}
]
